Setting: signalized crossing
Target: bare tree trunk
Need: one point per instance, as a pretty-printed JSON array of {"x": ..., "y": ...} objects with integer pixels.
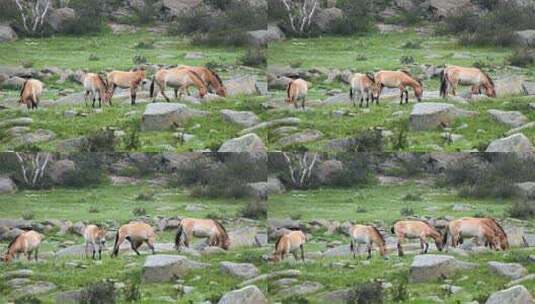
[
  {"x": 33, "y": 166},
  {"x": 300, "y": 167},
  {"x": 33, "y": 14},
  {"x": 300, "y": 14}
]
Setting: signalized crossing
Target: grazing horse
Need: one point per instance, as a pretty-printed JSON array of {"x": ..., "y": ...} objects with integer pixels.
[
  {"x": 361, "y": 84},
  {"x": 95, "y": 236},
  {"x": 452, "y": 76},
  {"x": 136, "y": 233},
  {"x": 290, "y": 242},
  {"x": 202, "y": 228},
  {"x": 94, "y": 83},
  {"x": 126, "y": 80},
  {"x": 209, "y": 77},
  {"x": 179, "y": 78},
  {"x": 484, "y": 230},
  {"x": 26, "y": 243},
  {"x": 30, "y": 93},
  {"x": 297, "y": 90},
  {"x": 398, "y": 79},
  {"x": 369, "y": 235},
  {"x": 415, "y": 229}
]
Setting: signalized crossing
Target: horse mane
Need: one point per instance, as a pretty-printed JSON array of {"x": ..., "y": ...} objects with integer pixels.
[
  {"x": 215, "y": 75},
  {"x": 488, "y": 77},
  {"x": 197, "y": 76},
  {"x": 370, "y": 77},
  {"x": 103, "y": 82},
  {"x": 220, "y": 226},
  {"x": 378, "y": 233},
  {"x": 498, "y": 225},
  {"x": 411, "y": 76},
  {"x": 13, "y": 242}
]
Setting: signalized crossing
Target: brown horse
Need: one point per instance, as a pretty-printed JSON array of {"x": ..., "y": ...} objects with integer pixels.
[
  {"x": 96, "y": 237},
  {"x": 93, "y": 84},
  {"x": 30, "y": 93},
  {"x": 361, "y": 85},
  {"x": 297, "y": 90},
  {"x": 288, "y": 243},
  {"x": 136, "y": 233},
  {"x": 126, "y": 80},
  {"x": 452, "y": 76},
  {"x": 26, "y": 243},
  {"x": 368, "y": 235},
  {"x": 179, "y": 78},
  {"x": 202, "y": 228},
  {"x": 398, "y": 79},
  {"x": 210, "y": 78},
  {"x": 416, "y": 229},
  {"x": 484, "y": 230}
]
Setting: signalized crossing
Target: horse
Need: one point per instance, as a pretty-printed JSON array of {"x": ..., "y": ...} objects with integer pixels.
[
  {"x": 209, "y": 77},
  {"x": 397, "y": 79},
  {"x": 26, "y": 243},
  {"x": 416, "y": 229},
  {"x": 136, "y": 233},
  {"x": 179, "y": 78},
  {"x": 30, "y": 93},
  {"x": 126, "y": 80},
  {"x": 95, "y": 236},
  {"x": 93, "y": 84},
  {"x": 202, "y": 228},
  {"x": 484, "y": 230},
  {"x": 368, "y": 235},
  {"x": 288, "y": 243},
  {"x": 452, "y": 76},
  {"x": 361, "y": 84},
  {"x": 297, "y": 90}
]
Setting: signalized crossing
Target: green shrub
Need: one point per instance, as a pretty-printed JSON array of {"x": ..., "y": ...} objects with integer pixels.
[
  {"x": 8, "y": 11},
  {"x": 145, "y": 196},
  {"x": 522, "y": 210},
  {"x": 522, "y": 57},
  {"x": 254, "y": 57},
  {"x": 28, "y": 299},
  {"x": 405, "y": 59},
  {"x": 99, "y": 293},
  {"x": 357, "y": 18},
  {"x": 255, "y": 210},
  {"x": 367, "y": 293},
  {"x": 139, "y": 59},
  {"x": 88, "y": 18},
  {"x": 139, "y": 211},
  {"x": 406, "y": 211},
  {"x": 370, "y": 140},
  {"x": 145, "y": 44},
  {"x": 355, "y": 172},
  {"x": 132, "y": 292},
  {"x": 89, "y": 170}
]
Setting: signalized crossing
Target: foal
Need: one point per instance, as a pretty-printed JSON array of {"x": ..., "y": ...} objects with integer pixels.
[
  {"x": 136, "y": 233},
  {"x": 30, "y": 93},
  {"x": 126, "y": 80},
  {"x": 416, "y": 229},
  {"x": 297, "y": 90},
  {"x": 289, "y": 243},
  {"x": 368, "y": 235},
  {"x": 95, "y": 236},
  {"x": 398, "y": 79},
  {"x": 26, "y": 243},
  {"x": 94, "y": 83},
  {"x": 361, "y": 84}
]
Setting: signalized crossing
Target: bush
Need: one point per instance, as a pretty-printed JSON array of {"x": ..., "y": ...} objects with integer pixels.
[
  {"x": 400, "y": 139},
  {"x": 522, "y": 210},
  {"x": 406, "y": 211},
  {"x": 89, "y": 170},
  {"x": 412, "y": 197},
  {"x": 367, "y": 293},
  {"x": 254, "y": 57},
  {"x": 28, "y": 216},
  {"x": 355, "y": 172},
  {"x": 255, "y": 210},
  {"x": 522, "y": 57},
  {"x": 8, "y": 11},
  {"x": 139, "y": 59},
  {"x": 93, "y": 210},
  {"x": 412, "y": 45},
  {"x": 93, "y": 57},
  {"x": 370, "y": 140},
  {"x": 407, "y": 59},
  {"x": 98, "y": 293},
  {"x": 132, "y": 292},
  {"x": 29, "y": 299},
  {"x": 139, "y": 211},
  {"x": 100, "y": 141},
  {"x": 88, "y": 18},
  {"x": 145, "y": 196},
  {"x": 145, "y": 44},
  {"x": 357, "y": 18}
]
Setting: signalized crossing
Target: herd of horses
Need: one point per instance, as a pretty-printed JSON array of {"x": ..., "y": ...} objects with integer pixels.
[
  {"x": 370, "y": 86},
  {"x": 95, "y": 85},
  {"x": 486, "y": 231}
]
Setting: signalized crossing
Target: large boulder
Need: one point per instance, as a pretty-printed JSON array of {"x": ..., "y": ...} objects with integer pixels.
[
  {"x": 430, "y": 267},
  {"x": 174, "y": 8},
  {"x": 38, "y": 136},
  {"x": 328, "y": 170},
  {"x": 514, "y": 295},
  {"x": 165, "y": 268},
  {"x": 248, "y": 143},
  {"x": 264, "y": 189},
  {"x": 242, "y": 85},
  {"x": 441, "y": 8},
  {"x": 161, "y": 115},
  {"x": 277, "y": 82},
  {"x": 243, "y": 237},
  {"x": 261, "y": 38},
  {"x": 513, "y": 119},
  {"x": 7, "y": 185},
  {"x": 301, "y": 138},
  {"x": 431, "y": 115},
  {"x": 7, "y": 33},
  {"x": 242, "y": 118},
  {"x": 58, "y": 170},
  {"x": 58, "y": 17},
  {"x": 302, "y": 289},
  {"x": 513, "y": 271},
  {"x": 239, "y": 270},
  {"x": 325, "y": 18},
  {"x": 525, "y": 38},
  {"x": 248, "y": 294},
  {"x": 510, "y": 86},
  {"x": 525, "y": 189},
  {"x": 514, "y": 143},
  {"x": 34, "y": 289}
]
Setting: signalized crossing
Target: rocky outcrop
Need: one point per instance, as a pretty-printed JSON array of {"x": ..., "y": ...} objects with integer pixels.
[
  {"x": 165, "y": 268},
  {"x": 525, "y": 38},
  {"x": 513, "y": 271},
  {"x": 248, "y": 294},
  {"x": 261, "y": 38},
  {"x": 242, "y": 85},
  {"x": 431, "y": 115},
  {"x": 159, "y": 116},
  {"x": 249, "y": 143},
  {"x": 514, "y": 143},
  {"x": 7, "y": 185},
  {"x": 242, "y": 118},
  {"x": 430, "y": 267},
  {"x": 239, "y": 270},
  {"x": 513, "y": 119},
  {"x": 57, "y": 18},
  {"x": 514, "y": 295},
  {"x": 7, "y": 33}
]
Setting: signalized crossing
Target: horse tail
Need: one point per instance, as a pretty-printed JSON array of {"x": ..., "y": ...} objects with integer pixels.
[
  {"x": 351, "y": 92},
  {"x": 116, "y": 246},
  {"x": 278, "y": 242},
  {"x": 178, "y": 236},
  {"x": 22, "y": 90},
  {"x": 289, "y": 88},
  {"x": 445, "y": 237},
  {"x": 152, "y": 86},
  {"x": 443, "y": 84},
  {"x": 393, "y": 230}
]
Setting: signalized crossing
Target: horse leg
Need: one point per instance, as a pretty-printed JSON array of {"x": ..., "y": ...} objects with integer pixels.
[
  {"x": 296, "y": 257},
  {"x": 100, "y": 251},
  {"x": 93, "y": 245},
  {"x": 151, "y": 246},
  {"x": 302, "y": 252},
  {"x": 135, "y": 246},
  {"x": 36, "y": 253},
  {"x": 406, "y": 96},
  {"x": 176, "y": 93},
  {"x": 402, "y": 92},
  {"x": 352, "y": 248},
  {"x": 117, "y": 245},
  {"x": 369, "y": 251},
  {"x": 303, "y": 103},
  {"x": 29, "y": 255},
  {"x": 400, "y": 249},
  {"x": 86, "y": 96},
  {"x": 133, "y": 95}
]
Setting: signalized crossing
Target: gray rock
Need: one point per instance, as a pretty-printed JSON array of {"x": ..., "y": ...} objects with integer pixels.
[
  {"x": 513, "y": 271},
  {"x": 60, "y": 169},
  {"x": 16, "y": 122},
  {"x": 513, "y": 119},
  {"x": 58, "y": 17},
  {"x": 7, "y": 185},
  {"x": 302, "y": 289},
  {"x": 301, "y": 138},
  {"x": 510, "y": 86},
  {"x": 337, "y": 99},
  {"x": 212, "y": 250},
  {"x": 77, "y": 144},
  {"x": 117, "y": 28},
  {"x": 159, "y": 116},
  {"x": 340, "y": 296},
  {"x": 529, "y": 125},
  {"x": 284, "y": 283},
  {"x": 513, "y": 143},
  {"x": 525, "y": 189},
  {"x": 425, "y": 268},
  {"x": 243, "y": 237},
  {"x": 7, "y": 34},
  {"x": 529, "y": 277},
  {"x": 17, "y": 131},
  {"x": 69, "y": 297},
  {"x": 338, "y": 251},
  {"x": 261, "y": 38},
  {"x": 38, "y": 136},
  {"x": 18, "y": 283},
  {"x": 441, "y": 9},
  {"x": 194, "y": 56},
  {"x": 328, "y": 170},
  {"x": 431, "y": 115},
  {"x": 249, "y": 143},
  {"x": 21, "y": 273},
  {"x": 288, "y": 121},
  {"x": 264, "y": 189},
  {"x": 325, "y": 18},
  {"x": 525, "y": 38},
  {"x": 248, "y": 294},
  {"x": 514, "y": 295},
  {"x": 276, "y": 82},
  {"x": 239, "y": 270},
  {"x": 242, "y": 118},
  {"x": 36, "y": 288},
  {"x": 289, "y": 273},
  {"x": 175, "y": 8},
  {"x": 165, "y": 268},
  {"x": 242, "y": 85},
  {"x": 71, "y": 99},
  {"x": 75, "y": 250}
]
